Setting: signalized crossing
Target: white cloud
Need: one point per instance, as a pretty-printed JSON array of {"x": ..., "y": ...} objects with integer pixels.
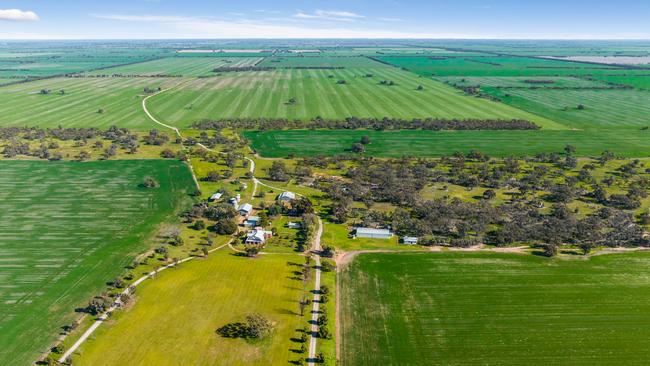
[
  {"x": 389, "y": 19},
  {"x": 17, "y": 15},
  {"x": 204, "y": 27},
  {"x": 329, "y": 15}
]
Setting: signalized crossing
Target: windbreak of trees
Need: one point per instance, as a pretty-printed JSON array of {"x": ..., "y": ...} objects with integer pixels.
[
  {"x": 242, "y": 68},
  {"x": 352, "y": 123}
]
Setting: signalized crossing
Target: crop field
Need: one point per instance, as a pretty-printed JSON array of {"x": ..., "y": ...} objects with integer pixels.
[
  {"x": 624, "y": 142},
  {"x": 318, "y": 93},
  {"x": 502, "y": 66},
  {"x": 182, "y": 66},
  {"x": 524, "y": 82},
  {"x": 175, "y": 317},
  {"x": 40, "y": 59},
  {"x": 321, "y": 61},
  {"x": 637, "y": 81},
  {"x": 118, "y": 98},
  {"x": 65, "y": 230},
  {"x": 611, "y": 108},
  {"x": 488, "y": 308}
]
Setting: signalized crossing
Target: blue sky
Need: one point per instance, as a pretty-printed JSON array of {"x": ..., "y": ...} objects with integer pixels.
[{"x": 163, "y": 19}]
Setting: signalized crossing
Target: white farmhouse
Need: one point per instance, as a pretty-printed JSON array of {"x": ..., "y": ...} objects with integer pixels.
[{"x": 258, "y": 236}]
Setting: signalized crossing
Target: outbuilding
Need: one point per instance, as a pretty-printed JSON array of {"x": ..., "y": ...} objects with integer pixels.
[
  {"x": 287, "y": 196},
  {"x": 245, "y": 209},
  {"x": 252, "y": 221},
  {"x": 364, "y": 232},
  {"x": 215, "y": 197},
  {"x": 410, "y": 240}
]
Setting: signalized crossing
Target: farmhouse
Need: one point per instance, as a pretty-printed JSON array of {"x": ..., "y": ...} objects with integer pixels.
[
  {"x": 215, "y": 197},
  {"x": 258, "y": 236},
  {"x": 287, "y": 196},
  {"x": 245, "y": 209},
  {"x": 364, "y": 232},
  {"x": 409, "y": 240}
]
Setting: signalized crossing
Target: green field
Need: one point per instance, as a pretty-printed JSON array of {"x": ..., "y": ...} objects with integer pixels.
[
  {"x": 495, "y": 309},
  {"x": 502, "y": 66},
  {"x": 638, "y": 81},
  {"x": 120, "y": 99},
  {"x": 175, "y": 317},
  {"x": 266, "y": 94},
  {"x": 611, "y": 108},
  {"x": 520, "y": 82},
  {"x": 65, "y": 230},
  {"x": 181, "y": 66},
  {"x": 41, "y": 59},
  {"x": 321, "y": 61},
  {"x": 631, "y": 143}
]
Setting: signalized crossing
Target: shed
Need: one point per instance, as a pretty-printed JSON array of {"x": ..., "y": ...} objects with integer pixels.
[
  {"x": 252, "y": 221},
  {"x": 364, "y": 232},
  {"x": 245, "y": 209},
  {"x": 410, "y": 240},
  {"x": 287, "y": 196},
  {"x": 215, "y": 197}
]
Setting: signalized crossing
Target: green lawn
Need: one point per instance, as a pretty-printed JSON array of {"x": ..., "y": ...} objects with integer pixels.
[
  {"x": 119, "y": 98},
  {"x": 65, "y": 230},
  {"x": 183, "y": 66},
  {"x": 175, "y": 317},
  {"x": 495, "y": 309},
  {"x": 624, "y": 142},
  {"x": 266, "y": 94}
]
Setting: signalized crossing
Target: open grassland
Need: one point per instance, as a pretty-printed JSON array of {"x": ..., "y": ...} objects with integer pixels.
[
  {"x": 175, "y": 317},
  {"x": 318, "y": 93},
  {"x": 488, "y": 308},
  {"x": 624, "y": 142},
  {"x": 65, "y": 230},
  {"x": 502, "y": 66},
  {"x": 118, "y": 98},
  {"x": 180, "y": 66},
  {"x": 321, "y": 61},
  {"x": 611, "y": 108}
]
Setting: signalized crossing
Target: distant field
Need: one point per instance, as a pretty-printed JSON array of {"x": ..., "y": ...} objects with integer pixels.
[
  {"x": 637, "y": 81},
  {"x": 321, "y": 61},
  {"x": 602, "y": 108},
  {"x": 183, "y": 66},
  {"x": 65, "y": 230},
  {"x": 625, "y": 142},
  {"x": 502, "y": 66},
  {"x": 523, "y": 82},
  {"x": 495, "y": 309},
  {"x": 317, "y": 93},
  {"x": 119, "y": 98},
  {"x": 175, "y": 317},
  {"x": 40, "y": 59}
]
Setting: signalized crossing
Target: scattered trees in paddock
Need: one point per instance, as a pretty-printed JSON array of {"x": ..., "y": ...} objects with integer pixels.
[{"x": 353, "y": 123}]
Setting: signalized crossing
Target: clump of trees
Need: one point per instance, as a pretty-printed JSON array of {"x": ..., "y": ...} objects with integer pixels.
[
  {"x": 150, "y": 182},
  {"x": 256, "y": 326}
]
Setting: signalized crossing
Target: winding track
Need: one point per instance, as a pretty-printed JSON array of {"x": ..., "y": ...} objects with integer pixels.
[{"x": 316, "y": 247}]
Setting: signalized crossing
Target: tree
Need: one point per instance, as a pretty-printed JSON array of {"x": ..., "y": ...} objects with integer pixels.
[
  {"x": 264, "y": 219},
  {"x": 581, "y": 107},
  {"x": 550, "y": 250},
  {"x": 569, "y": 149},
  {"x": 150, "y": 182},
  {"x": 199, "y": 225},
  {"x": 258, "y": 326},
  {"x": 365, "y": 140},
  {"x": 489, "y": 194},
  {"x": 225, "y": 227},
  {"x": 358, "y": 148},
  {"x": 278, "y": 171},
  {"x": 586, "y": 247},
  {"x": 420, "y": 87}
]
